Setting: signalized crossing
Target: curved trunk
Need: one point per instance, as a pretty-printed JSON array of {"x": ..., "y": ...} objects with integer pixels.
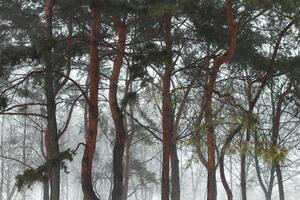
[
  {"x": 117, "y": 114},
  {"x": 207, "y": 98},
  {"x": 265, "y": 79},
  {"x": 221, "y": 161},
  {"x": 93, "y": 111}
]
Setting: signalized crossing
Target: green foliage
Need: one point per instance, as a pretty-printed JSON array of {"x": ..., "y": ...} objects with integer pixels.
[
  {"x": 3, "y": 102},
  {"x": 250, "y": 121},
  {"x": 210, "y": 23},
  {"x": 39, "y": 174},
  {"x": 122, "y": 7},
  {"x": 193, "y": 159},
  {"x": 161, "y": 8},
  {"x": 23, "y": 92},
  {"x": 244, "y": 147},
  {"x": 286, "y": 5},
  {"x": 131, "y": 98},
  {"x": 290, "y": 66},
  {"x": 31, "y": 176},
  {"x": 152, "y": 54},
  {"x": 194, "y": 142},
  {"x": 248, "y": 44},
  {"x": 232, "y": 150},
  {"x": 140, "y": 170},
  {"x": 13, "y": 55},
  {"x": 273, "y": 154},
  {"x": 137, "y": 71}
]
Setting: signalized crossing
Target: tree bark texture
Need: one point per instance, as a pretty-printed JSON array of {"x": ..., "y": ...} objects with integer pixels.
[
  {"x": 51, "y": 137},
  {"x": 167, "y": 118},
  {"x": 117, "y": 114},
  {"x": 243, "y": 166},
  {"x": 126, "y": 167},
  {"x": 93, "y": 110},
  {"x": 207, "y": 99},
  {"x": 46, "y": 189},
  {"x": 175, "y": 181}
]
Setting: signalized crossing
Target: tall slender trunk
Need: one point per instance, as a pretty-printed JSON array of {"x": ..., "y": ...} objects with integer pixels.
[
  {"x": 93, "y": 110},
  {"x": 207, "y": 98},
  {"x": 271, "y": 182},
  {"x": 2, "y": 159},
  {"x": 275, "y": 137},
  {"x": 244, "y": 156},
  {"x": 230, "y": 137},
  {"x": 245, "y": 143},
  {"x": 167, "y": 118},
  {"x": 117, "y": 114},
  {"x": 24, "y": 146},
  {"x": 9, "y": 170},
  {"x": 126, "y": 168},
  {"x": 128, "y": 143},
  {"x": 211, "y": 143},
  {"x": 52, "y": 145},
  {"x": 46, "y": 189},
  {"x": 279, "y": 182},
  {"x": 175, "y": 192},
  {"x": 269, "y": 188},
  {"x": 67, "y": 187}
]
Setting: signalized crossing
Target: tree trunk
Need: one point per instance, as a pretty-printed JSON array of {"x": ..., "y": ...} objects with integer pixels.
[
  {"x": 93, "y": 110},
  {"x": 117, "y": 114},
  {"x": 211, "y": 143},
  {"x": 275, "y": 136},
  {"x": 126, "y": 167},
  {"x": 208, "y": 111},
  {"x": 24, "y": 147},
  {"x": 271, "y": 182},
  {"x": 175, "y": 193},
  {"x": 279, "y": 182},
  {"x": 52, "y": 145},
  {"x": 243, "y": 176},
  {"x": 126, "y": 157},
  {"x": 46, "y": 189},
  {"x": 167, "y": 118},
  {"x": 2, "y": 159},
  {"x": 253, "y": 103},
  {"x": 243, "y": 164},
  {"x": 259, "y": 177}
]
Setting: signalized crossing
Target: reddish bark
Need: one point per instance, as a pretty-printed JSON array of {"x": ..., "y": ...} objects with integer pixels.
[
  {"x": 93, "y": 110},
  {"x": 167, "y": 118},
  {"x": 51, "y": 140},
  {"x": 265, "y": 79},
  {"x": 208, "y": 111},
  {"x": 117, "y": 114}
]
